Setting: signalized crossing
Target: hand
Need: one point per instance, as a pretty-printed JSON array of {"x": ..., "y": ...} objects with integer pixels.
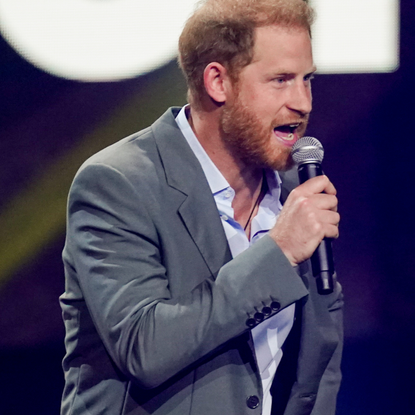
[{"x": 307, "y": 217}]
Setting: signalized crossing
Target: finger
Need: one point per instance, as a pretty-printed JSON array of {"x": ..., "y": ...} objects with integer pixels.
[
  {"x": 332, "y": 231},
  {"x": 329, "y": 217},
  {"x": 324, "y": 201},
  {"x": 316, "y": 185},
  {"x": 329, "y": 229}
]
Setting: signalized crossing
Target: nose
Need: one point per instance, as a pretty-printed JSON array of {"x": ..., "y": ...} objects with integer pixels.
[{"x": 300, "y": 99}]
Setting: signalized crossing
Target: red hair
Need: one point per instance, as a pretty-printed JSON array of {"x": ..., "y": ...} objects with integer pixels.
[{"x": 223, "y": 31}]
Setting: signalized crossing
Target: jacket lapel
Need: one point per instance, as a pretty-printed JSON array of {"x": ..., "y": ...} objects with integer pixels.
[
  {"x": 198, "y": 209},
  {"x": 289, "y": 182}
]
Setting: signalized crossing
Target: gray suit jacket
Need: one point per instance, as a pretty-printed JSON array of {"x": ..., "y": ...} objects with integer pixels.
[{"x": 158, "y": 316}]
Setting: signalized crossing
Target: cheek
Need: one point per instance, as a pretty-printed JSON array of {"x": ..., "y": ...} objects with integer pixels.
[
  {"x": 266, "y": 103},
  {"x": 274, "y": 108},
  {"x": 269, "y": 114}
]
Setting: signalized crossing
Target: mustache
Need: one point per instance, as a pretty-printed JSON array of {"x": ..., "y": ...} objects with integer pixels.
[{"x": 300, "y": 120}]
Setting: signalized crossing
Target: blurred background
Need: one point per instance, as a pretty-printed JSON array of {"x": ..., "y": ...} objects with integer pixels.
[{"x": 60, "y": 104}]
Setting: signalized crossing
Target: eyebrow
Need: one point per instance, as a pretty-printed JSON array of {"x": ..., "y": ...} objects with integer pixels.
[
  {"x": 314, "y": 69},
  {"x": 283, "y": 72}
]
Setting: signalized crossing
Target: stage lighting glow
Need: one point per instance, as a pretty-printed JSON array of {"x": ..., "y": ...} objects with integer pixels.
[
  {"x": 94, "y": 40},
  {"x": 104, "y": 40},
  {"x": 356, "y": 36}
]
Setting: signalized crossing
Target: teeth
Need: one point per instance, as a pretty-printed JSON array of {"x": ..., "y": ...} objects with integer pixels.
[
  {"x": 294, "y": 125},
  {"x": 290, "y": 137}
]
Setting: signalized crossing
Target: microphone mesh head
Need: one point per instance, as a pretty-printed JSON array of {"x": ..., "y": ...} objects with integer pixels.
[{"x": 307, "y": 150}]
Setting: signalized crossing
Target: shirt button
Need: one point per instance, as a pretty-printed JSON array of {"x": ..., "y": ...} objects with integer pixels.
[
  {"x": 228, "y": 194},
  {"x": 252, "y": 402},
  {"x": 224, "y": 217}
]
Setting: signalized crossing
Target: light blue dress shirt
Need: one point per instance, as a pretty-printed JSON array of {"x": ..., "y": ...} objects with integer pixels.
[{"x": 270, "y": 335}]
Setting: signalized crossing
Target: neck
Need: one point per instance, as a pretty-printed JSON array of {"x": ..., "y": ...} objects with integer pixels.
[{"x": 239, "y": 175}]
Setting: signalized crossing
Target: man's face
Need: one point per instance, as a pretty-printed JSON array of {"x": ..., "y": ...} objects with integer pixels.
[{"x": 269, "y": 106}]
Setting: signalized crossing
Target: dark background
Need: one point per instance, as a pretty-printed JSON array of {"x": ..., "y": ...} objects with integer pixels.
[{"x": 48, "y": 126}]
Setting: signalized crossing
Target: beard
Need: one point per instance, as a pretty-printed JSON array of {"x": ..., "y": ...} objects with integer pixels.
[{"x": 253, "y": 142}]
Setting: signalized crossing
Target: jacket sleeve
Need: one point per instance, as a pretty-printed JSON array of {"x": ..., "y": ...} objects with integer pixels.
[{"x": 113, "y": 248}]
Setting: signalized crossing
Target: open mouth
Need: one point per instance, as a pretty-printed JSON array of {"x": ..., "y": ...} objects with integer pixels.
[{"x": 287, "y": 133}]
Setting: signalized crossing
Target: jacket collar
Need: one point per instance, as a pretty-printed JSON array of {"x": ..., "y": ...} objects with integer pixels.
[{"x": 184, "y": 174}]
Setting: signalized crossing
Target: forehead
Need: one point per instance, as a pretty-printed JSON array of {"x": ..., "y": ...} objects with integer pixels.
[{"x": 280, "y": 46}]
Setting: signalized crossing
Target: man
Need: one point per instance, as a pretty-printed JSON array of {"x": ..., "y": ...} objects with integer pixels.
[{"x": 188, "y": 285}]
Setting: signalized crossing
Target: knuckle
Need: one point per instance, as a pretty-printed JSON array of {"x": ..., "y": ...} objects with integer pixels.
[
  {"x": 304, "y": 203},
  {"x": 311, "y": 218},
  {"x": 295, "y": 193},
  {"x": 317, "y": 228}
]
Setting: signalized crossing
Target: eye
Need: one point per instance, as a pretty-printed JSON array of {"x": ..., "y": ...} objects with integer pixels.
[{"x": 280, "y": 80}]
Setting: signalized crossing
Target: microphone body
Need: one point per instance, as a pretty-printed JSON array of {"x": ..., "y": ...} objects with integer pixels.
[
  {"x": 309, "y": 166},
  {"x": 322, "y": 259}
]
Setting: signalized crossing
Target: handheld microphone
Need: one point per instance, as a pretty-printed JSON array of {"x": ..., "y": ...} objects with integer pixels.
[{"x": 308, "y": 154}]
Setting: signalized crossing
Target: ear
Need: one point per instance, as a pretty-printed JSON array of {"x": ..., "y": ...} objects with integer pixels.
[{"x": 217, "y": 82}]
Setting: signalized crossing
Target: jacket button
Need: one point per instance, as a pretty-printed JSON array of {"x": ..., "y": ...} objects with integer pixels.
[
  {"x": 251, "y": 322},
  {"x": 252, "y": 402},
  {"x": 275, "y": 305},
  {"x": 259, "y": 317}
]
